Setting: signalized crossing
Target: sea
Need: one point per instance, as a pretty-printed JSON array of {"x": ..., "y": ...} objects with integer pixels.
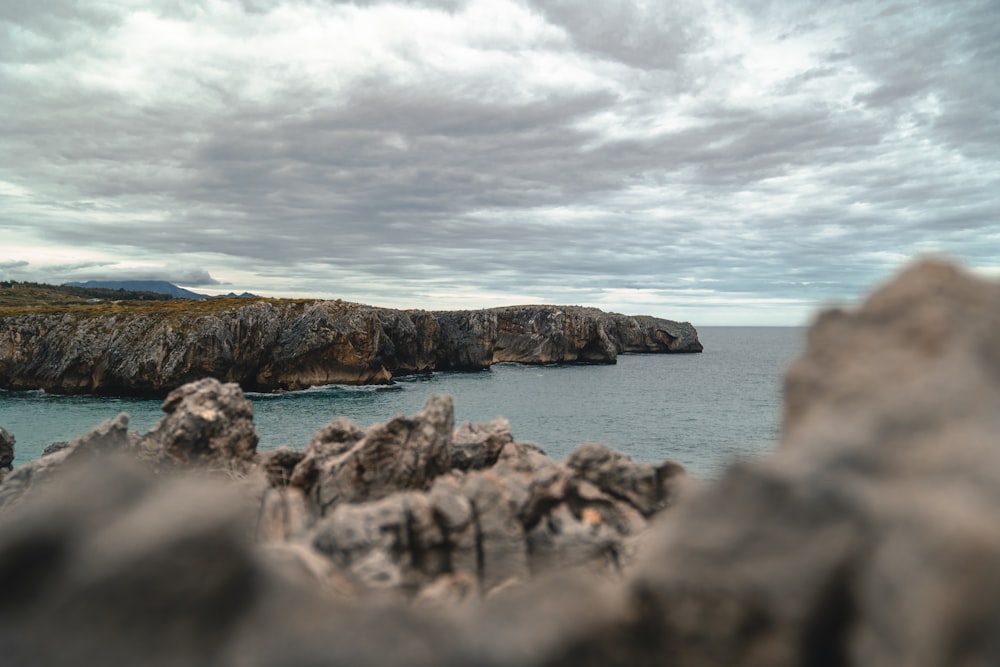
[{"x": 704, "y": 411}]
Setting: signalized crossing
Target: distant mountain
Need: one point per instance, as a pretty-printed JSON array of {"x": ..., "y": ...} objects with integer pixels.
[{"x": 158, "y": 286}]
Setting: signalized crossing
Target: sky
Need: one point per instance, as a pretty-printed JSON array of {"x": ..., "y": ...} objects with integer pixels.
[{"x": 720, "y": 162}]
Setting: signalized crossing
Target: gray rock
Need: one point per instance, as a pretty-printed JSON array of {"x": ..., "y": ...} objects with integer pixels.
[
  {"x": 647, "y": 487},
  {"x": 868, "y": 537},
  {"x": 283, "y": 516},
  {"x": 405, "y": 453},
  {"x": 392, "y": 544},
  {"x": 109, "y": 437},
  {"x": 128, "y": 570},
  {"x": 55, "y": 447},
  {"x": 279, "y": 464},
  {"x": 208, "y": 424},
  {"x": 475, "y": 446},
  {"x": 6, "y": 450},
  {"x": 274, "y": 345},
  {"x": 501, "y": 544}
]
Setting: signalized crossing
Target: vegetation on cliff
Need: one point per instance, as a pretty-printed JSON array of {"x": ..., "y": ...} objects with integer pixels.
[
  {"x": 145, "y": 347},
  {"x": 15, "y": 294}
]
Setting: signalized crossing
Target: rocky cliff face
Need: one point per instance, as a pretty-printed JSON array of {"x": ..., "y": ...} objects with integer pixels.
[
  {"x": 868, "y": 538},
  {"x": 278, "y": 345}
]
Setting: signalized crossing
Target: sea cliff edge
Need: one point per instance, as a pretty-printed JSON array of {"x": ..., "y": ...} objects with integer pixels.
[{"x": 151, "y": 348}]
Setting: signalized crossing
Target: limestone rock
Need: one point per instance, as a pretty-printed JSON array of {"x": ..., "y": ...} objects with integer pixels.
[
  {"x": 6, "y": 450},
  {"x": 648, "y": 488},
  {"x": 279, "y": 464},
  {"x": 208, "y": 423},
  {"x": 405, "y": 453},
  {"x": 283, "y": 516},
  {"x": 110, "y": 550},
  {"x": 478, "y": 445},
  {"x": 109, "y": 437},
  {"x": 275, "y": 345},
  {"x": 389, "y": 544},
  {"x": 867, "y": 539}
]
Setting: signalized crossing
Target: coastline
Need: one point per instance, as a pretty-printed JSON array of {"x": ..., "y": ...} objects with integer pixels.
[{"x": 149, "y": 349}]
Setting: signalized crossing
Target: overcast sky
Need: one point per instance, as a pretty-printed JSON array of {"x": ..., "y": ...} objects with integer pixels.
[{"x": 718, "y": 162}]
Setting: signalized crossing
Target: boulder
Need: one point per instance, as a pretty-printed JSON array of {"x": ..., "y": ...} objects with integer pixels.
[
  {"x": 279, "y": 464},
  {"x": 868, "y": 538},
  {"x": 405, "y": 453},
  {"x": 475, "y": 446},
  {"x": 646, "y": 487},
  {"x": 109, "y": 437},
  {"x": 209, "y": 424}
]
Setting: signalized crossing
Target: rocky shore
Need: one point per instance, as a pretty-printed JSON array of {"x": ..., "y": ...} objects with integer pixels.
[
  {"x": 274, "y": 345},
  {"x": 867, "y": 538}
]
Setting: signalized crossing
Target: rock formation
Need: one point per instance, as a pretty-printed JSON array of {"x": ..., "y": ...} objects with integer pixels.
[
  {"x": 6, "y": 452},
  {"x": 271, "y": 345},
  {"x": 867, "y": 538}
]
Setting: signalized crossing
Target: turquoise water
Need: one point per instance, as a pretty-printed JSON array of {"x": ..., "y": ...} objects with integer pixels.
[{"x": 702, "y": 410}]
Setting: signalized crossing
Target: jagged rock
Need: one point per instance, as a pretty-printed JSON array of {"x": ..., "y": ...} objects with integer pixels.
[
  {"x": 283, "y": 516},
  {"x": 6, "y": 450},
  {"x": 110, "y": 436},
  {"x": 209, "y": 424},
  {"x": 111, "y": 550},
  {"x": 279, "y": 464},
  {"x": 868, "y": 538},
  {"x": 478, "y": 445},
  {"x": 405, "y": 453},
  {"x": 501, "y": 544},
  {"x": 647, "y": 487},
  {"x": 334, "y": 439},
  {"x": 390, "y": 544},
  {"x": 273, "y": 345},
  {"x": 55, "y": 447}
]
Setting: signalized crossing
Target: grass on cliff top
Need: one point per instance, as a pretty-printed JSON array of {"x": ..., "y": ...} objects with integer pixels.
[{"x": 46, "y": 301}]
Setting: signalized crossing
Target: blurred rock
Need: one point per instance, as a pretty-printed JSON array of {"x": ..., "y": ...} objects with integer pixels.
[
  {"x": 477, "y": 446},
  {"x": 209, "y": 424},
  {"x": 868, "y": 538},
  {"x": 406, "y": 453},
  {"x": 6, "y": 450},
  {"x": 108, "y": 437}
]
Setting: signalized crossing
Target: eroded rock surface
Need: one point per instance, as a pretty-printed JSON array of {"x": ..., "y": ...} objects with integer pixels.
[
  {"x": 208, "y": 423},
  {"x": 274, "y": 345},
  {"x": 868, "y": 538},
  {"x": 6, "y": 451}
]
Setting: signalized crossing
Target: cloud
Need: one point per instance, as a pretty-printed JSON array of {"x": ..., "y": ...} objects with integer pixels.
[
  {"x": 783, "y": 154},
  {"x": 9, "y": 265}
]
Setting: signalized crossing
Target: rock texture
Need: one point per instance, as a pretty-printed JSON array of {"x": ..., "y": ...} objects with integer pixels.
[
  {"x": 868, "y": 538},
  {"x": 271, "y": 345},
  {"x": 6, "y": 451}
]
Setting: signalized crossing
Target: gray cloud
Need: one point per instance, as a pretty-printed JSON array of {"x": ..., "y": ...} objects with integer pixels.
[
  {"x": 8, "y": 265},
  {"x": 646, "y": 35},
  {"x": 762, "y": 150}
]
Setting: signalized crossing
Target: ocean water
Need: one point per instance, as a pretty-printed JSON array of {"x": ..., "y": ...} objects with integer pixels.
[{"x": 704, "y": 411}]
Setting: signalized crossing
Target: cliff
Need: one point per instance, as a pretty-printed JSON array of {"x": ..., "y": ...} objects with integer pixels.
[
  {"x": 273, "y": 345},
  {"x": 867, "y": 538}
]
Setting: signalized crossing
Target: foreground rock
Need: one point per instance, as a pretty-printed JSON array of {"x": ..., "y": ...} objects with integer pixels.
[
  {"x": 6, "y": 452},
  {"x": 404, "y": 508},
  {"x": 868, "y": 538},
  {"x": 273, "y": 345}
]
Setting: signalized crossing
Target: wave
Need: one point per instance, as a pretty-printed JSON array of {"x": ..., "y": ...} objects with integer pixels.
[{"x": 326, "y": 389}]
